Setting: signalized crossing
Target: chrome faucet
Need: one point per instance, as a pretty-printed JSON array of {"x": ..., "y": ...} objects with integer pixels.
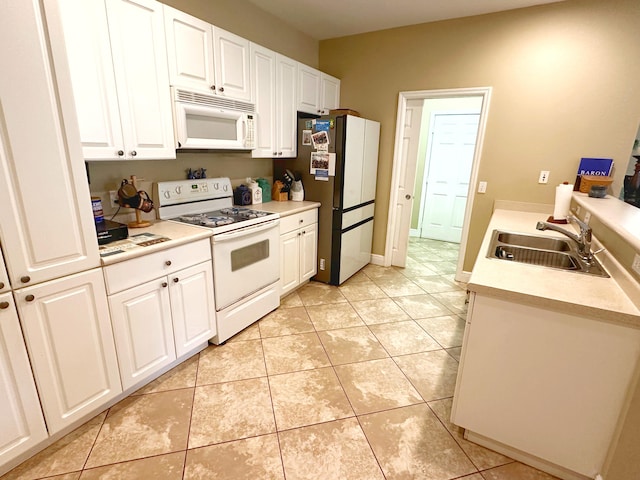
[{"x": 583, "y": 240}]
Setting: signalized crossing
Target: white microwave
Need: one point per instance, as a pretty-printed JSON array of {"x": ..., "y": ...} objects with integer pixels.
[{"x": 211, "y": 122}]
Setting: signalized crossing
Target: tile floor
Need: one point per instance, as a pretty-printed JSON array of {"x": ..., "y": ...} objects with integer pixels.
[{"x": 352, "y": 382}]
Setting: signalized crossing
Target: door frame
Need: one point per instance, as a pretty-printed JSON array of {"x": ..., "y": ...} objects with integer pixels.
[
  {"x": 427, "y": 160},
  {"x": 398, "y": 164}
]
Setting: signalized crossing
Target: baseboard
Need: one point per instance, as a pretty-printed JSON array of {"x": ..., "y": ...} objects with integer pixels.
[
  {"x": 414, "y": 232},
  {"x": 377, "y": 259}
]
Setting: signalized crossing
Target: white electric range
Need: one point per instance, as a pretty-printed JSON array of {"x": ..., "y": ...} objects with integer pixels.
[{"x": 244, "y": 246}]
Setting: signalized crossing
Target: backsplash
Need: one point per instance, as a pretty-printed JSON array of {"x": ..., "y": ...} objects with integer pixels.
[{"x": 107, "y": 175}]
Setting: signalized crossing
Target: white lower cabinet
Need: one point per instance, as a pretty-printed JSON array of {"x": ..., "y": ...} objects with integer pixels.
[
  {"x": 169, "y": 313},
  {"x": 70, "y": 343},
  {"x": 21, "y": 423},
  {"x": 298, "y": 249},
  {"x": 543, "y": 386}
]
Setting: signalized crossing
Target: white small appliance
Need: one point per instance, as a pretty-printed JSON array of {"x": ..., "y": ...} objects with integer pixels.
[
  {"x": 245, "y": 248},
  {"x": 213, "y": 122}
]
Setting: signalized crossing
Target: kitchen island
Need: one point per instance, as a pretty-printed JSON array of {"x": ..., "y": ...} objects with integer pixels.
[{"x": 549, "y": 359}]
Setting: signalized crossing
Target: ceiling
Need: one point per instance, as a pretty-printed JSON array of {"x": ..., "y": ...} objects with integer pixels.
[{"x": 323, "y": 19}]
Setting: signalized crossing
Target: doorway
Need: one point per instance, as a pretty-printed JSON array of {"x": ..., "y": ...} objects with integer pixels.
[{"x": 406, "y": 183}]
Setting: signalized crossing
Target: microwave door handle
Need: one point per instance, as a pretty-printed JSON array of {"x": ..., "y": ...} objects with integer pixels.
[{"x": 225, "y": 237}]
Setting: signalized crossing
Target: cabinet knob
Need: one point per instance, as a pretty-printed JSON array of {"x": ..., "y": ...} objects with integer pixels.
[
  {"x": 304, "y": 232},
  {"x": 120, "y": 153},
  {"x": 4, "y": 305},
  {"x": 165, "y": 284},
  {"x": 1, "y": 285},
  {"x": 301, "y": 220},
  {"x": 168, "y": 263},
  {"x": 176, "y": 280},
  {"x": 29, "y": 298},
  {"x": 280, "y": 153},
  {"x": 275, "y": 153},
  {"x": 133, "y": 153},
  {"x": 221, "y": 89},
  {"x": 213, "y": 87},
  {"x": 299, "y": 233},
  {"x": 25, "y": 279}
]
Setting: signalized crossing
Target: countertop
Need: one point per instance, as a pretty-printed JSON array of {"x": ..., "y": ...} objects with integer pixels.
[
  {"x": 565, "y": 291},
  {"x": 286, "y": 208},
  {"x": 176, "y": 234}
]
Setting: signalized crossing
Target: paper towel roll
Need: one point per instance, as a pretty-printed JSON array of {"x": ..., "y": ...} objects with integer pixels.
[{"x": 563, "y": 201}]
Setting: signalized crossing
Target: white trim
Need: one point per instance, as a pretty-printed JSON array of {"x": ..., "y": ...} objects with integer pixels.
[
  {"x": 378, "y": 260},
  {"x": 397, "y": 169},
  {"x": 414, "y": 232}
]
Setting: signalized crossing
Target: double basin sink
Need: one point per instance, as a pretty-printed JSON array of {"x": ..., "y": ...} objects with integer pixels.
[{"x": 542, "y": 251}]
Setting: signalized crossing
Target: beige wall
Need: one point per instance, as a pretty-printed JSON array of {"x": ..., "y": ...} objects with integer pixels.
[
  {"x": 565, "y": 85},
  {"x": 245, "y": 19}
]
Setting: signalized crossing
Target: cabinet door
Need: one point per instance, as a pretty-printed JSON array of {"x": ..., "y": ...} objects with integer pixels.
[
  {"x": 94, "y": 87},
  {"x": 232, "y": 65},
  {"x": 189, "y": 50},
  {"x": 289, "y": 261},
  {"x": 21, "y": 423},
  {"x": 308, "y": 89},
  {"x": 308, "y": 252},
  {"x": 139, "y": 56},
  {"x": 70, "y": 342},
  {"x": 141, "y": 319},
  {"x": 40, "y": 156},
  {"x": 5, "y": 285},
  {"x": 263, "y": 75},
  {"x": 287, "y": 73},
  {"x": 330, "y": 94},
  {"x": 192, "y": 306}
]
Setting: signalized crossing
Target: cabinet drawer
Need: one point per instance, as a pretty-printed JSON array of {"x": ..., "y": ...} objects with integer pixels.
[
  {"x": 136, "y": 271},
  {"x": 293, "y": 222}
]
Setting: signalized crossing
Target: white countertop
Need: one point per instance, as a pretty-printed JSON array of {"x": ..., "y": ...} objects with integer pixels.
[
  {"x": 176, "y": 234},
  {"x": 566, "y": 291},
  {"x": 286, "y": 208}
]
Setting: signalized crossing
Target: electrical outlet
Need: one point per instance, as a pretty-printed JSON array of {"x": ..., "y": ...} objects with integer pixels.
[
  {"x": 635, "y": 266},
  {"x": 482, "y": 187},
  {"x": 544, "y": 176},
  {"x": 113, "y": 198},
  {"x": 587, "y": 217},
  {"x": 322, "y": 264}
]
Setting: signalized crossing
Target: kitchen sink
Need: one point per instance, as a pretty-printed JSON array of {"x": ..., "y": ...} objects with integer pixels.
[
  {"x": 534, "y": 241},
  {"x": 541, "y": 251}
]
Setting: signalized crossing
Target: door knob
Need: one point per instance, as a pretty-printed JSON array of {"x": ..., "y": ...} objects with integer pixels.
[{"x": 407, "y": 196}]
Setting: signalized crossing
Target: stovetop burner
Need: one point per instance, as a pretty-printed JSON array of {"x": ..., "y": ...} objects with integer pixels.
[
  {"x": 206, "y": 220},
  {"x": 243, "y": 212}
]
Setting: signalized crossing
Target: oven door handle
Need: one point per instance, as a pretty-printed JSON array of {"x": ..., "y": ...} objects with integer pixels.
[{"x": 244, "y": 232}]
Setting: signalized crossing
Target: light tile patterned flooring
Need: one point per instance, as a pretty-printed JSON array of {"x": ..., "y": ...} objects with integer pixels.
[{"x": 352, "y": 382}]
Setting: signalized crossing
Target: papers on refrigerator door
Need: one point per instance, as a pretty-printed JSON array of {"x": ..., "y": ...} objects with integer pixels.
[{"x": 323, "y": 165}]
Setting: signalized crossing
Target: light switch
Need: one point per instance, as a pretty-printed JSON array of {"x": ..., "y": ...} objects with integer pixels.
[{"x": 482, "y": 187}]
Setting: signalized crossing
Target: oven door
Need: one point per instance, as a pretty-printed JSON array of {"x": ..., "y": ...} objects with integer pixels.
[{"x": 244, "y": 261}]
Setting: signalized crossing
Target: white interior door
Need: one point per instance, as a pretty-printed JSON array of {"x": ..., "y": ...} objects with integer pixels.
[
  {"x": 410, "y": 142},
  {"x": 450, "y": 158}
]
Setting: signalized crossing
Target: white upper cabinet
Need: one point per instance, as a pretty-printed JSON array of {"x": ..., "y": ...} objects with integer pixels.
[
  {"x": 47, "y": 222},
  {"x": 189, "y": 50},
  {"x": 318, "y": 93},
  {"x": 233, "y": 77},
  {"x": 274, "y": 86},
  {"x": 117, "y": 58},
  {"x": 330, "y": 93},
  {"x": 206, "y": 58}
]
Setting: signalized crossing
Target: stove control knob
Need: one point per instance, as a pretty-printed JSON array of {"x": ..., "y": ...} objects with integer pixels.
[
  {"x": 167, "y": 194},
  {"x": 179, "y": 189}
]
